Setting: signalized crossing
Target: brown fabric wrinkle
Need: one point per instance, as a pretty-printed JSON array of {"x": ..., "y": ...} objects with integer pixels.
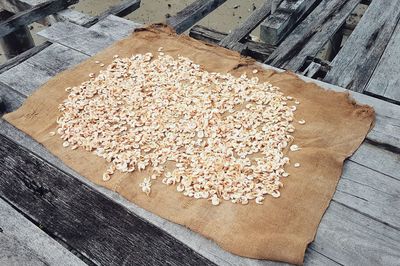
[{"x": 281, "y": 228}]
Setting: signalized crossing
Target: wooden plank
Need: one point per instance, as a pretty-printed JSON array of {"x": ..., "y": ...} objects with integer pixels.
[
  {"x": 357, "y": 60},
  {"x": 385, "y": 81},
  {"x": 255, "y": 18},
  {"x": 308, "y": 38},
  {"x": 369, "y": 192},
  {"x": 33, "y": 14},
  {"x": 194, "y": 12},
  {"x": 109, "y": 25},
  {"x": 351, "y": 238},
  {"x": 278, "y": 25},
  {"x": 79, "y": 38},
  {"x": 381, "y": 160},
  {"x": 120, "y": 10},
  {"x": 33, "y": 72},
  {"x": 22, "y": 57},
  {"x": 102, "y": 229},
  {"x": 10, "y": 99},
  {"x": 23, "y": 243}
]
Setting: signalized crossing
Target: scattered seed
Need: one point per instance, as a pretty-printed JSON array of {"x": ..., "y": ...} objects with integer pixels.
[
  {"x": 296, "y": 165},
  {"x": 255, "y": 71},
  {"x": 97, "y": 62},
  {"x": 106, "y": 177},
  {"x": 52, "y": 133},
  {"x": 294, "y": 148},
  {"x": 102, "y": 65},
  {"x": 302, "y": 122},
  {"x": 65, "y": 144}
]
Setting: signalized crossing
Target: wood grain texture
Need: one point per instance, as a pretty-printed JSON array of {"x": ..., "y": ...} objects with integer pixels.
[
  {"x": 107, "y": 234},
  {"x": 279, "y": 24},
  {"x": 33, "y": 72},
  {"x": 351, "y": 238},
  {"x": 356, "y": 61},
  {"x": 194, "y": 12},
  {"x": 385, "y": 80},
  {"x": 308, "y": 38},
  {"x": 23, "y": 243},
  {"x": 255, "y": 18},
  {"x": 33, "y": 14},
  {"x": 72, "y": 16},
  {"x": 77, "y": 37}
]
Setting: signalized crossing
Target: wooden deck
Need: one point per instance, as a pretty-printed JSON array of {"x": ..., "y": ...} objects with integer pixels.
[{"x": 51, "y": 215}]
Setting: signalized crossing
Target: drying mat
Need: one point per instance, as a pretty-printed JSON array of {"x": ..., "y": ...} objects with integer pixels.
[{"x": 281, "y": 228}]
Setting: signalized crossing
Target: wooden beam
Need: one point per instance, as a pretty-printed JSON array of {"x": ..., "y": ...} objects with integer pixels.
[
  {"x": 355, "y": 63},
  {"x": 194, "y": 12},
  {"x": 278, "y": 25},
  {"x": 91, "y": 223},
  {"x": 33, "y": 14},
  {"x": 247, "y": 26},
  {"x": 309, "y": 37}
]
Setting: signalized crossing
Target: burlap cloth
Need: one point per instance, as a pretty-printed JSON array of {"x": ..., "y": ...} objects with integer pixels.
[{"x": 281, "y": 228}]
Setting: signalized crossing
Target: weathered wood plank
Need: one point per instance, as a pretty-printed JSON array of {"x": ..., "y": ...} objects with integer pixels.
[
  {"x": 278, "y": 25},
  {"x": 370, "y": 192},
  {"x": 23, "y": 243},
  {"x": 356, "y": 61},
  {"x": 33, "y": 14},
  {"x": 89, "y": 222},
  {"x": 351, "y": 238},
  {"x": 79, "y": 38},
  {"x": 194, "y": 12},
  {"x": 33, "y": 72},
  {"x": 120, "y": 10},
  {"x": 385, "y": 81},
  {"x": 380, "y": 160},
  {"x": 10, "y": 99},
  {"x": 22, "y": 57},
  {"x": 255, "y": 18},
  {"x": 109, "y": 25},
  {"x": 312, "y": 34}
]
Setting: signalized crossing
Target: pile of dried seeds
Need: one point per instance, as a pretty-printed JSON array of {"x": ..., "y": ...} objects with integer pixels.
[{"x": 225, "y": 135}]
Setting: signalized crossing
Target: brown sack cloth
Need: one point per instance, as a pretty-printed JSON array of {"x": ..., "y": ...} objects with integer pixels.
[{"x": 281, "y": 228}]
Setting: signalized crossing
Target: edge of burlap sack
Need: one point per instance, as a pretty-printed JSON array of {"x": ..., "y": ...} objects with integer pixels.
[{"x": 229, "y": 225}]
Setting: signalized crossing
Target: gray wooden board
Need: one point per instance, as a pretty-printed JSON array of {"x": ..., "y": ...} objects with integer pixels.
[
  {"x": 9, "y": 99},
  {"x": 33, "y": 72},
  {"x": 356, "y": 61},
  {"x": 87, "y": 41},
  {"x": 281, "y": 22},
  {"x": 385, "y": 81},
  {"x": 351, "y": 238},
  {"x": 194, "y": 12},
  {"x": 223, "y": 256},
  {"x": 22, "y": 243},
  {"x": 115, "y": 27},
  {"x": 255, "y": 18},
  {"x": 309, "y": 37}
]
